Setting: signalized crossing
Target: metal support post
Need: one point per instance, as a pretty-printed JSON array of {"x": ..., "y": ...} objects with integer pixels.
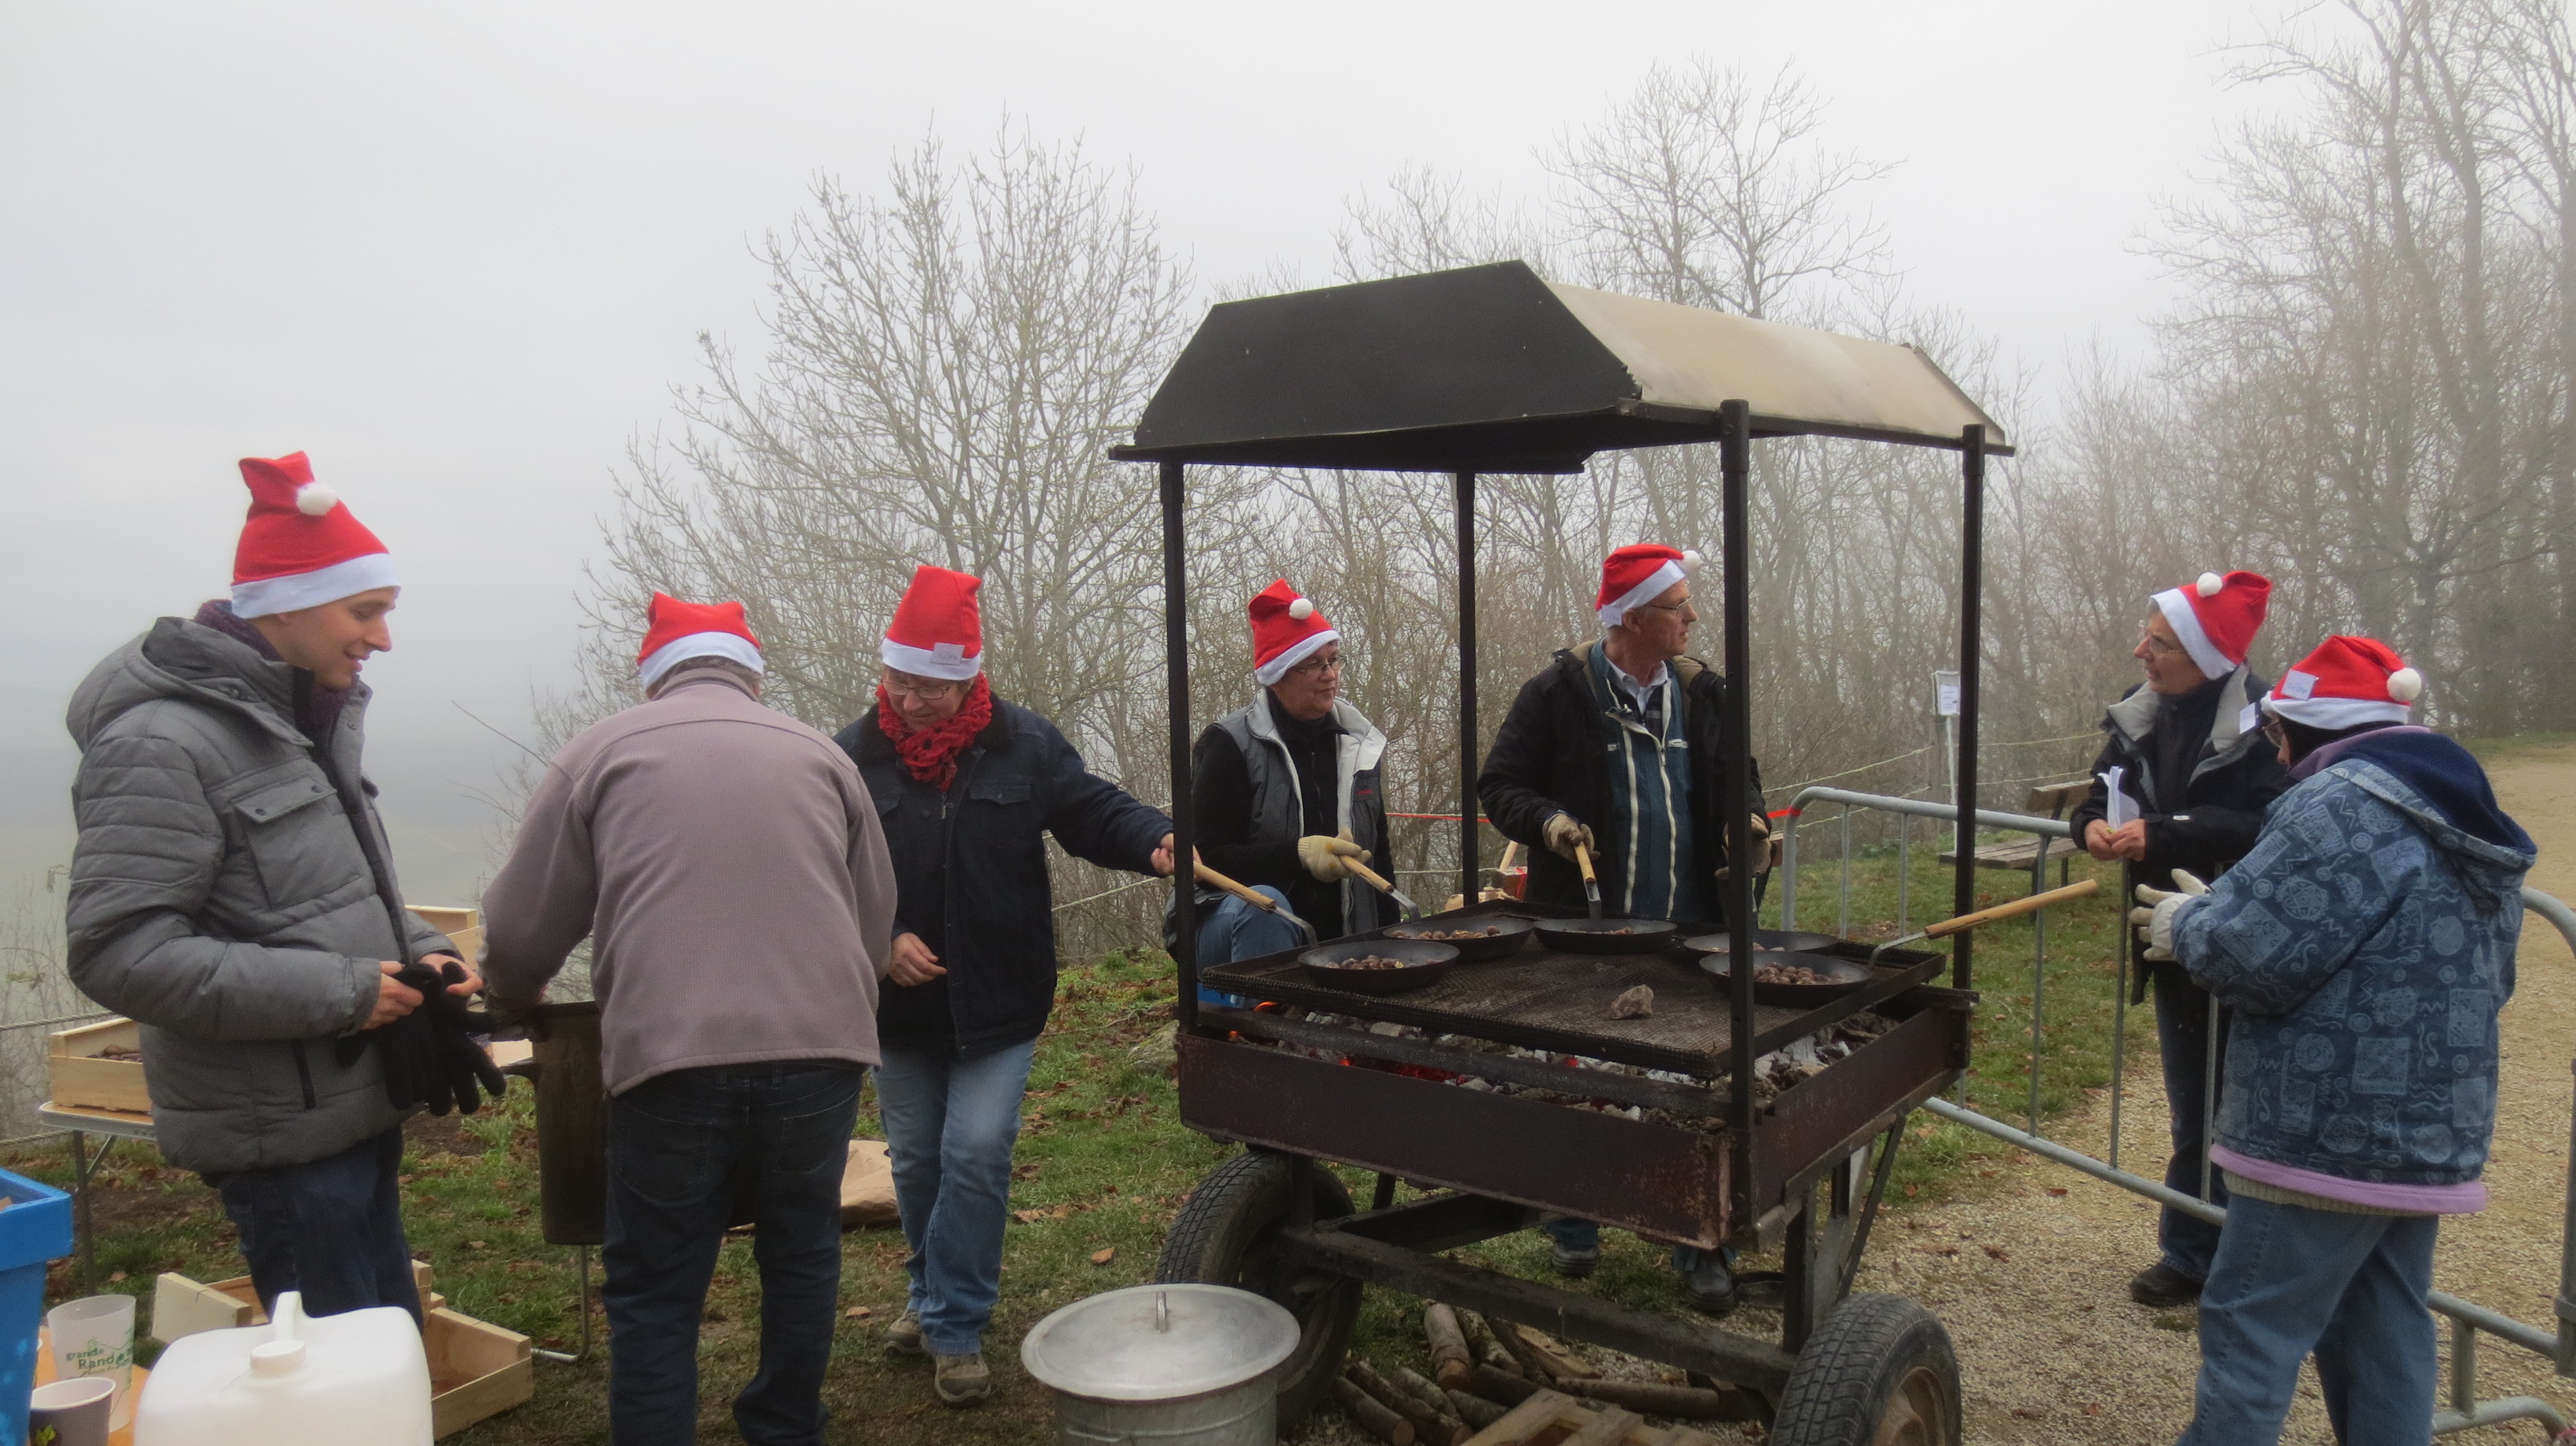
[
  {"x": 1842, "y": 925},
  {"x": 1735, "y": 473},
  {"x": 1972, "y": 582},
  {"x": 1467, "y": 835},
  {"x": 581, "y": 1266},
  {"x": 1176, "y": 683}
]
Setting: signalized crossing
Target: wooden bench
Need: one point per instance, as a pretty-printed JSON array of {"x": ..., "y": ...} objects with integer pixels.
[{"x": 2022, "y": 853}]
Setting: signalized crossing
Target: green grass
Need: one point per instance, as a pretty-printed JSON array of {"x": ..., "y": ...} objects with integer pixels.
[{"x": 1103, "y": 1165}]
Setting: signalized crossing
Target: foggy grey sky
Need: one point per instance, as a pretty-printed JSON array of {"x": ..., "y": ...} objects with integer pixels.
[{"x": 459, "y": 252}]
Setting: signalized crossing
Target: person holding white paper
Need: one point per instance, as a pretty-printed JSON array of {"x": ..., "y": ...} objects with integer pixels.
[{"x": 2193, "y": 780}]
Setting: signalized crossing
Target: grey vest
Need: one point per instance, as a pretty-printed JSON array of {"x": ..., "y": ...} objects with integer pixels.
[{"x": 1278, "y": 804}]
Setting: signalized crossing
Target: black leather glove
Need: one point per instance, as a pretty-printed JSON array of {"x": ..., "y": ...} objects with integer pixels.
[
  {"x": 429, "y": 1055},
  {"x": 459, "y": 1064}
]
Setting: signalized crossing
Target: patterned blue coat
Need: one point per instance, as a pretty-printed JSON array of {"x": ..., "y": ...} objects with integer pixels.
[{"x": 2366, "y": 944}]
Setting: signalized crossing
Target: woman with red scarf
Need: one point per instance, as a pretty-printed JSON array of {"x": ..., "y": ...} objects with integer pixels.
[{"x": 967, "y": 786}]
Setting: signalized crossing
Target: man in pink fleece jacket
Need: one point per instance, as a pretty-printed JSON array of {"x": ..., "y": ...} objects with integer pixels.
[{"x": 726, "y": 862}]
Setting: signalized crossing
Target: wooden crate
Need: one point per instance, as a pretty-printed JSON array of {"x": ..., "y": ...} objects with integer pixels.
[
  {"x": 463, "y": 927},
  {"x": 183, "y": 1307},
  {"x": 76, "y": 1075},
  {"x": 477, "y": 1370}
]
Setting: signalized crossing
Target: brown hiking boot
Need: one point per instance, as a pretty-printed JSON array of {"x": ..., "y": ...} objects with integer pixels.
[
  {"x": 2163, "y": 1287},
  {"x": 961, "y": 1380}
]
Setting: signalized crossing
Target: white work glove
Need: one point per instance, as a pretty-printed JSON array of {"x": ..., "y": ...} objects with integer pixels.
[
  {"x": 2155, "y": 920},
  {"x": 1766, "y": 845},
  {"x": 1563, "y": 833},
  {"x": 1324, "y": 856}
]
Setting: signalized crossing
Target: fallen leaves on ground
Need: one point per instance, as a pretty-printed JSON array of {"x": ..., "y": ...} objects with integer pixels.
[{"x": 1104, "y": 1255}]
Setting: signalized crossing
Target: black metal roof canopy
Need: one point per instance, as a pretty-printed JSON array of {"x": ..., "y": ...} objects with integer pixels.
[{"x": 1491, "y": 369}]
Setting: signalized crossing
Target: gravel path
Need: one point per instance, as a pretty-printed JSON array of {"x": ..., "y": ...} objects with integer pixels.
[{"x": 2031, "y": 1274}]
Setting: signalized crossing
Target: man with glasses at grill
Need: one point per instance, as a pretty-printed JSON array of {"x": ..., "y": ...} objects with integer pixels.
[
  {"x": 1286, "y": 794},
  {"x": 1619, "y": 746},
  {"x": 968, "y": 786},
  {"x": 2195, "y": 778}
]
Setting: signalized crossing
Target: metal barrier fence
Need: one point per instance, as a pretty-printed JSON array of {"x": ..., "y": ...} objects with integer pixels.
[{"x": 2467, "y": 1318}]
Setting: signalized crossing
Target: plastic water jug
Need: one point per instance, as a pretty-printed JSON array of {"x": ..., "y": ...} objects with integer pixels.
[{"x": 357, "y": 1379}]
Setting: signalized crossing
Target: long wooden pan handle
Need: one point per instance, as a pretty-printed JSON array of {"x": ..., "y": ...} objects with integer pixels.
[
  {"x": 2013, "y": 910},
  {"x": 1245, "y": 892},
  {"x": 1583, "y": 861},
  {"x": 1368, "y": 876}
]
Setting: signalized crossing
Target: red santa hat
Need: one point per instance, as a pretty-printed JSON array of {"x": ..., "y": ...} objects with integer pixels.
[
  {"x": 676, "y": 631},
  {"x": 301, "y": 547},
  {"x": 1286, "y": 630},
  {"x": 937, "y": 631},
  {"x": 2217, "y": 617},
  {"x": 2345, "y": 683},
  {"x": 1639, "y": 573}
]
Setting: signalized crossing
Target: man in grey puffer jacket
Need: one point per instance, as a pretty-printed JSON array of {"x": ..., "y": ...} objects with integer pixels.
[{"x": 233, "y": 892}]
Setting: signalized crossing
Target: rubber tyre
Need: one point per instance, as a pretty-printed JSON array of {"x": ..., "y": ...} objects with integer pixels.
[
  {"x": 1879, "y": 1372},
  {"x": 1222, "y": 1237}
]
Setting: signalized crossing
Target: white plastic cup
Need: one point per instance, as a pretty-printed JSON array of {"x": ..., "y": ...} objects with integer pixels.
[
  {"x": 76, "y": 1411},
  {"x": 94, "y": 1336}
]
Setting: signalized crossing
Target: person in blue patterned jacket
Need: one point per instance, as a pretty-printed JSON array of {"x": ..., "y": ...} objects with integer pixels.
[{"x": 2366, "y": 945}]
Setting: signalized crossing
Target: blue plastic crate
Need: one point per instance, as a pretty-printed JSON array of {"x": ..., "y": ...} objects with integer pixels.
[{"x": 35, "y": 1228}]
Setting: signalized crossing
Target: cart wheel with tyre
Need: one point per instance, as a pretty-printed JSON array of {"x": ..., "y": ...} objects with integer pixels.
[{"x": 1683, "y": 1127}]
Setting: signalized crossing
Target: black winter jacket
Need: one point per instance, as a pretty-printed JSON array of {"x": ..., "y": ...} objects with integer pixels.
[
  {"x": 2221, "y": 808},
  {"x": 971, "y": 873},
  {"x": 1553, "y": 753}
]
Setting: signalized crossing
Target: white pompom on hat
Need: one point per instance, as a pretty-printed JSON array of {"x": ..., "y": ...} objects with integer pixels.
[
  {"x": 2346, "y": 682},
  {"x": 1287, "y": 629}
]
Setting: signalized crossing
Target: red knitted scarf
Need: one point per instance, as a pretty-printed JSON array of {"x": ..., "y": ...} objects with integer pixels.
[{"x": 930, "y": 754}]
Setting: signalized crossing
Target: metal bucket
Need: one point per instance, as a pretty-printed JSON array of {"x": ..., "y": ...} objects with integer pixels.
[
  {"x": 1164, "y": 1365},
  {"x": 572, "y": 1122}
]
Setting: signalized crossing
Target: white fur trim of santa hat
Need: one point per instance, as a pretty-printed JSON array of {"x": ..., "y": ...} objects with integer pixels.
[
  {"x": 1298, "y": 651},
  {"x": 939, "y": 660},
  {"x": 265, "y": 596},
  {"x": 732, "y": 647},
  {"x": 2175, "y": 604}
]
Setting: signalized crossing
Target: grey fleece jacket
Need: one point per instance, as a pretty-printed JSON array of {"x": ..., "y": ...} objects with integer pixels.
[
  {"x": 221, "y": 896},
  {"x": 726, "y": 862}
]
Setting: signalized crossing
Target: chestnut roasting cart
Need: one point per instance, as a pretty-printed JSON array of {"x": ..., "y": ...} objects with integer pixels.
[{"x": 1492, "y": 370}]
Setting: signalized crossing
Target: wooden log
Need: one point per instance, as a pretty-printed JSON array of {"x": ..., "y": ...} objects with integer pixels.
[
  {"x": 1476, "y": 1410},
  {"x": 1429, "y": 1426},
  {"x": 1562, "y": 1362},
  {"x": 1501, "y": 1386},
  {"x": 1482, "y": 1348},
  {"x": 1679, "y": 1403},
  {"x": 1523, "y": 1351},
  {"x": 1371, "y": 1414},
  {"x": 1450, "y": 1363},
  {"x": 1422, "y": 1388}
]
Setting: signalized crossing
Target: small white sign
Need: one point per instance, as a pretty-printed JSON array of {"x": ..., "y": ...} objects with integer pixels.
[
  {"x": 1945, "y": 693},
  {"x": 2118, "y": 810}
]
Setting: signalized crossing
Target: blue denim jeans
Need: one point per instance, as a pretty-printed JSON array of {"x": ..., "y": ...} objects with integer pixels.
[
  {"x": 1237, "y": 930},
  {"x": 2289, "y": 1280},
  {"x": 949, "y": 1125},
  {"x": 1576, "y": 1234},
  {"x": 331, "y": 1228},
  {"x": 683, "y": 1149},
  {"x": 2186, "y": 1242}
]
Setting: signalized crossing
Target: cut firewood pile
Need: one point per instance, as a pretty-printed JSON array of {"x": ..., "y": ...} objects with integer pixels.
[{"x": 1494, "y": 1383}]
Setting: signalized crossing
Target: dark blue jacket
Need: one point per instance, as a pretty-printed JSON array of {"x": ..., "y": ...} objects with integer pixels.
[
  {"x": 2366, "y": 944},
  {"x": 971, "y": 873}
]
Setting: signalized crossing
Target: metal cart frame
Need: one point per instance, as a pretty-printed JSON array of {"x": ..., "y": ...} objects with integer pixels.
[{"x": 1488, "y": 369}]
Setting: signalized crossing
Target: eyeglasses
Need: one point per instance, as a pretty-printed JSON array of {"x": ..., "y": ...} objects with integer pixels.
[
  {"x": 1682, "y": 606},
  {"x": 1317, "y": 667},
  {"x": 2157, "y": 645},
  {"x": 2279, "y": 736},
  {"x": 905, "y": 686}
]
